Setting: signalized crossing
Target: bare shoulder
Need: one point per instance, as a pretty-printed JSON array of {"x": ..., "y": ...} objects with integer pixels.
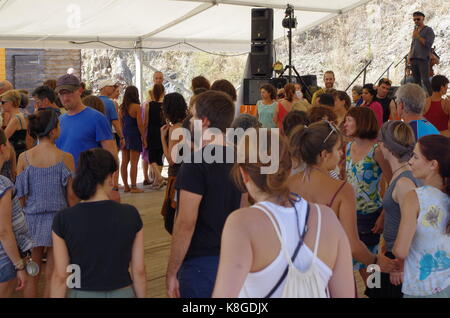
[
  {"x": 347, "y": 192},
  {"x": 330, "y": 223},
  {"x": 68, "y": 160},
  {"x": 21, "y": 162}
]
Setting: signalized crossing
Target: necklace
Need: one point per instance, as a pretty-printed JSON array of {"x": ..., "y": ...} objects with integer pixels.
[{"x": 398, "y": 169}]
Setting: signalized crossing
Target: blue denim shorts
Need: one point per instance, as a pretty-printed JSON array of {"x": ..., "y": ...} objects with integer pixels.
[{"x": 7, "y": 272}]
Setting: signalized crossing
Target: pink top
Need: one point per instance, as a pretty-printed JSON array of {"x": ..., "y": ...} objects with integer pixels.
[{"x": 378, "y": 110}]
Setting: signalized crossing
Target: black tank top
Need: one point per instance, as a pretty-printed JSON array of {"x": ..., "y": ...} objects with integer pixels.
[
  {"x": 17, "y": 140},
  {"x": 155, "y": 122}
]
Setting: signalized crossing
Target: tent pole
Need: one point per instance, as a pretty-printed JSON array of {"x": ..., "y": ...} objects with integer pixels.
[{"x": 139, "y": 78}]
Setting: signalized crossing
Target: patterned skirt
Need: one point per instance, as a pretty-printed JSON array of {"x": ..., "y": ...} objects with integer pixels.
[{"x": 40, "y": 228}]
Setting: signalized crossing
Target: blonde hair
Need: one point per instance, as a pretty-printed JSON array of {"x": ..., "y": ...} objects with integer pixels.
[{"x": 12, "y": 96}]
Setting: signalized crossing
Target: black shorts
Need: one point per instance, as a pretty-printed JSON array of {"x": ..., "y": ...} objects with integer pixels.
[{"x": 155, "y": 156}]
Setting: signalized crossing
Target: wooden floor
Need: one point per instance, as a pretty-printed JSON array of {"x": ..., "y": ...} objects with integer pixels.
[{"x": 157, "y": 240}]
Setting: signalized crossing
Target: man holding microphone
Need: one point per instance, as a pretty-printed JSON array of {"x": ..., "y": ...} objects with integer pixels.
[{"x": 419, "y": 54}]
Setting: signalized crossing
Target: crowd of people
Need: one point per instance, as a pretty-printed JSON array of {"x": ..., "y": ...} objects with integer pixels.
[{"x": 360, "y": 180}]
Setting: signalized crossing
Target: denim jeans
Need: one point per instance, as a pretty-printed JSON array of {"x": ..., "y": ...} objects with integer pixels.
[
  {"x": 197, "y": 276},
  {"x": 7, "y": 272},
  {"x": 421, "y": 73}
]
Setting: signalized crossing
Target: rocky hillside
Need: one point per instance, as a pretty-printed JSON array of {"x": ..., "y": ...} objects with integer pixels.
[
  {"x": 379, "y": 31},
  {"x": 178, "y": 67}
]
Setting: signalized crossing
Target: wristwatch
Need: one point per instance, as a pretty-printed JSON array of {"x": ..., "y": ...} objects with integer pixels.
[{"x": 20, "y": 265}]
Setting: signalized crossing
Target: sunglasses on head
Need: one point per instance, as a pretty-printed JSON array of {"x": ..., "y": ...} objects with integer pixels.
[{"x": 333, "y": 129}]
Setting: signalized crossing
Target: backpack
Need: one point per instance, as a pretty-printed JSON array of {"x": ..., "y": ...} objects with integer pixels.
[{"x": 299, "y": 284}]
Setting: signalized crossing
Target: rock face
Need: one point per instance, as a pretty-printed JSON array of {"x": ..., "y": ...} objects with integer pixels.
[
  {"x": 379, "y": 31},
  {"x": 179, "y": 67}
]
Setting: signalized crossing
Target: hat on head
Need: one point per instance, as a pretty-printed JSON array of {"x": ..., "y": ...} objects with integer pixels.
[
  {"x": 105, "y": 83},
  {"x": 69, "y": 82}
]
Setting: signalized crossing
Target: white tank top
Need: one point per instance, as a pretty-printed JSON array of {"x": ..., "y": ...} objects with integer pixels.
[{"x": 259, "y": 284}]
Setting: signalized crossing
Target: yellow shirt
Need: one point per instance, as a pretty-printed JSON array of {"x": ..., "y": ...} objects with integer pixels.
[{"x": 316, "y": 93}]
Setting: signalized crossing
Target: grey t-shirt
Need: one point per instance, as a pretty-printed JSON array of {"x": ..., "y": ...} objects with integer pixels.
[{"x": 420, "y": 51}]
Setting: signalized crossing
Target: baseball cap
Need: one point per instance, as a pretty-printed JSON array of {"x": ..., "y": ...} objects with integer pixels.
[
  {"x": 105, "y": 83},
  {"x": 69, "y": 82}
]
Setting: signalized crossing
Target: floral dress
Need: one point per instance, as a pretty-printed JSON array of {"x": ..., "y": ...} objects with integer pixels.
[{"x": 365, "y": 176}]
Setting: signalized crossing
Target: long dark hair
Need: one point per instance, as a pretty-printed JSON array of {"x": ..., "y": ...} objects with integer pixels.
[
  {"x": 94, "y": 166},
  {"x": 131, "y": 96},
  {"x": 174, "y": 108},
  {"x": 158, "y": 92},
  {"x": 41, "y": 123},
  {"x": 437, "y": 147}
]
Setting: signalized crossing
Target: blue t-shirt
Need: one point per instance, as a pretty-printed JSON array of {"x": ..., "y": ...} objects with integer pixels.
[
  {"x": 83, "y": 131},
  {"x": 110, "y": 108},
  {"x": 422, "y": 128}
]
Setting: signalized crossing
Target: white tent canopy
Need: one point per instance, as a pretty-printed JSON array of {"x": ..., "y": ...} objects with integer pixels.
[{"x": 222, "y": 25}]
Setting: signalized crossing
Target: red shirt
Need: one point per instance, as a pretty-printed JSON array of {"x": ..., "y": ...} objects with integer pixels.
[{"x": 437, "y": 116}]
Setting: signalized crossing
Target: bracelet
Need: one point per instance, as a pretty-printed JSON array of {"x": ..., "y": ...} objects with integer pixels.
[{"x": 20, "y": 265}]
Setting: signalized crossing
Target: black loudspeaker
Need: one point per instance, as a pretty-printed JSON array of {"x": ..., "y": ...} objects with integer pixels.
[
  {"x": 261, "y": 60},
  {"x": 309, "y": 80},
  {"x": 279, "y": 82},
  {"x": 262, "y": 25},
  {"x": 251, "y": 90}
]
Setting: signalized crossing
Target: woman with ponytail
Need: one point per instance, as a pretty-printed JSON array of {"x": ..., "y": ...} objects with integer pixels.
[
  {"x": 319, "y": 147},
  {"x": 44, "y": 187},
  {"x": 102, "y": 237},
  {"x": 423, "y": 241},
  {"x": 252, "y": 259},
  {"x": 396, "y": 144}
]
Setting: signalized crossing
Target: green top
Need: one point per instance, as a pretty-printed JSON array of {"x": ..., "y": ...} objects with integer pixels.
[{"x": 265, "y": 113}]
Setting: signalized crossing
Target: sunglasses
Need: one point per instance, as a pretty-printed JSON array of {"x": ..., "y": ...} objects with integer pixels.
[
  {"x": 333, "y": 129},
  {"x": 417, "y": 19}
]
